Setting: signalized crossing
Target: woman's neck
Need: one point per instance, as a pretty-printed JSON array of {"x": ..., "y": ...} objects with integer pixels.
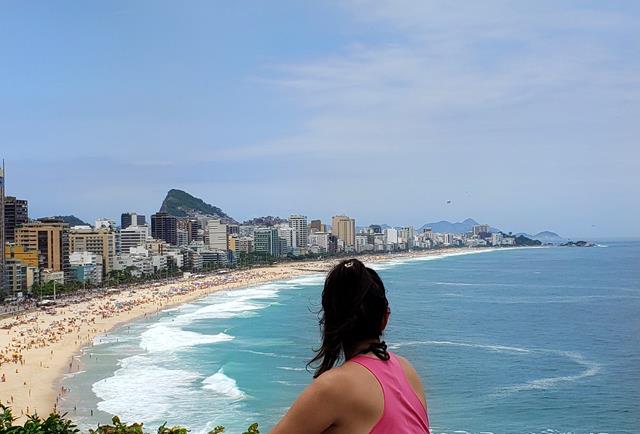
[{"x": 360, "y": 348}]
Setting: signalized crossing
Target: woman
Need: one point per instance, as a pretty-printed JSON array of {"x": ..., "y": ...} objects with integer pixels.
[{"x": 373, "y": 390}]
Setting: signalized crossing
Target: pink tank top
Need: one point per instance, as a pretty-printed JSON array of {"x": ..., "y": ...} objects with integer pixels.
[{"x": 403, "y": 411}]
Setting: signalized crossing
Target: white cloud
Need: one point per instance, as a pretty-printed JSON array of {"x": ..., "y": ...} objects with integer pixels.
[{"x": 459, "y": 63}]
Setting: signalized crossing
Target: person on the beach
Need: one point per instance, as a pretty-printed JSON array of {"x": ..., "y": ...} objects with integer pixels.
[{"x": 372, "y": 390}]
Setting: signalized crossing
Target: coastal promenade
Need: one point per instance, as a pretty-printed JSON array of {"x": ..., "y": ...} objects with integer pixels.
[{"x": 38, "y": 347}]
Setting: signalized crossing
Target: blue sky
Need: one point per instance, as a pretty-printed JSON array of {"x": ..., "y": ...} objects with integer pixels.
[{"x": 523, "y": 114}]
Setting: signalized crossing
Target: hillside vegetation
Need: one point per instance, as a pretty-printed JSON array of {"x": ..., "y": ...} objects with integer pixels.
[{"x": 179, "y": 203}]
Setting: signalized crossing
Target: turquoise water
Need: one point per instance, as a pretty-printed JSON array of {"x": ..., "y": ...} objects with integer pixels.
[{"x": 520, "y": 341}]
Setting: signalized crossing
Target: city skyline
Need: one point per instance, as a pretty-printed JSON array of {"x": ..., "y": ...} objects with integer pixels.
[
  {"x": 522, "y": 115},
  {"x": 327, "y": 218}
]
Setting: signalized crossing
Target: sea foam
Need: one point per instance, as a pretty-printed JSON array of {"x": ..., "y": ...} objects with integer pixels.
[
  {"x": 162, "y": 337},
  {"x": 240, "y": 303},
  {"x": 141, "y": 390},
  {"x": 223, "y": 385},
  {"x": 496, "y": 348},
  {"x": 591, "y": 368}
]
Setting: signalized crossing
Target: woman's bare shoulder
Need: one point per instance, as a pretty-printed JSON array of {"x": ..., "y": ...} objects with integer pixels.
[
  {"x": 345, "y": 381},
  {"x": 412, "y": 376},
  {"x": 339, "y": 377},
  {"x": 406, "y": 365}
]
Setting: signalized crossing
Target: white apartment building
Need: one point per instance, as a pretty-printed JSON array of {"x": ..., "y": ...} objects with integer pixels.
[
  {"x": 407, "y": 235},
  {"x": 447, "y": 239},
  {"x": 391, "y": 236},
  {"x": 99, "y": 241},
  {"x": 139, "y": 263},
  {"x": 244, "y": 244},
  {"x": 159, "y": 262},
  {"x": 218, "y": 235},
  {"x": 132, "y": 237},
  {"x": 299, "y": 224},
  {"x": 182, "y": 237},
  {"x": 479, "y": 229},
  {"x": 177, "y": 257},
  {"x": 87, "y": 267},
  {"x": 319, "y": 240},
  {"x": 496, "y": 239},
  {"x": 362, "y": 243},
  {"x": 290, "y": 235}
]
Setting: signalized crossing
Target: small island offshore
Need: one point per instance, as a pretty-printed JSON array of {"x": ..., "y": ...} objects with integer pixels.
[{"x": 577, "y": 244}]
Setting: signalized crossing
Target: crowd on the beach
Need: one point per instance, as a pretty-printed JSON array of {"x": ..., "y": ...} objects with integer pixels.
[
  {"x": 31, "y": 329},
  {"x": 44, "y": 327}
]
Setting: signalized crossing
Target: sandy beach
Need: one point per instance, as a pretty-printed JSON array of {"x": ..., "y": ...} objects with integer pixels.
[{"x": 38, "y": 348}]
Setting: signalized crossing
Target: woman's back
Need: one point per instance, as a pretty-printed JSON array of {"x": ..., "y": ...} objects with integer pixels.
[
  {"x": 352, "y": 399},
  {"x": 379, "y": 393},
  {"x": 404, "y": 410}
]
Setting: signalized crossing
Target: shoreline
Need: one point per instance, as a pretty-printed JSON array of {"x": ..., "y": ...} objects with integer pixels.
[{"x": 46, "y": 343}]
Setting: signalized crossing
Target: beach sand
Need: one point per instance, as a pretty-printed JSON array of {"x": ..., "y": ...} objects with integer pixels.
[{"x": 38, "y": 348}]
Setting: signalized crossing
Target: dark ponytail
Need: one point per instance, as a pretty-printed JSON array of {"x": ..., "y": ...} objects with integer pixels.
[{"x": 354, "y": 305}]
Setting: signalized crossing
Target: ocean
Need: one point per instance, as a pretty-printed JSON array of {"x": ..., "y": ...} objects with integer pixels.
[{"x": 539, "y": 340}]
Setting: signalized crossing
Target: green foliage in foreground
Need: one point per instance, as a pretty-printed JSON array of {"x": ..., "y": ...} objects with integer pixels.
[{"x": 57, "y": 424}]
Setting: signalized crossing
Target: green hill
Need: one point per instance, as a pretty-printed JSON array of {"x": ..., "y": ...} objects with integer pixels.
[{"x": 179, "y": 203}]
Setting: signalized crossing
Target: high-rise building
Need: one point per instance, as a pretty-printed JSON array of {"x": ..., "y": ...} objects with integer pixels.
[
  {"x": 290, "y": 236},
  {"x": 362, "y": 243},
  {"x": 496, "y": 239},
  {"x": 28, "y": 257},
  {"x": 407, "y": 236},
  {"x": 233, "y": 242},
  {"x": 2, "y": 234},
  {"x": 196, "y": 231},
  {"x": 15, "y": 277},
  {"x": 447, "y": 239},
  {"x": 21, "y": 270},
  {"x": 266, "y": 240},
  {"x": 479, "y": 230},
  {"x": 192, "y": 228},
  {"x": 100, "y": 242},
  {"x": 391, "y": 236},
  {"x": 87, "y": 267},
  {"x": 218, "y": 235},
  {"x": 299, "y": 224},
  {"x": 164, "y": 227},
  {"x": 323, "y": 242},
  {"x": 317, "y": 226},
  {"x": 344, "y": 228},
  {"x": 16, "y": 213},
  {"x": 245, "y": 245},
  {"x": 131, "y": 219},
  {"x": 50, "y": 237},
  {"x": 133, "y": 237},
  {"x": 182, "y": 237}
]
